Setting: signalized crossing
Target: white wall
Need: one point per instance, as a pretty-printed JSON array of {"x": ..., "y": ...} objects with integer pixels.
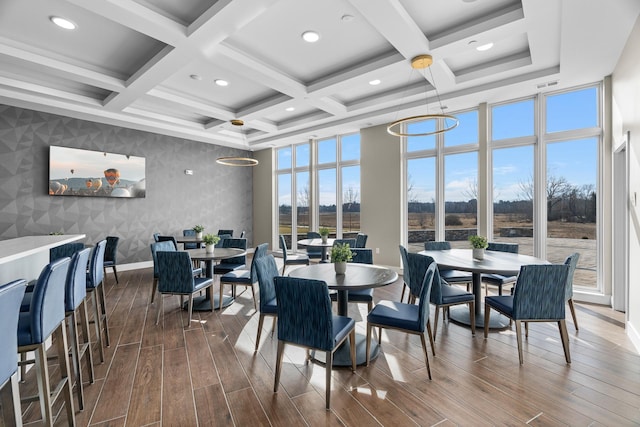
[
  {"x": 626, "y": 111},
  {"x": 263, "y": 218}
]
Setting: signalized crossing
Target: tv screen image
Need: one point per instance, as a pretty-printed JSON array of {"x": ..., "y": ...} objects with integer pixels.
[{"x": 78, "y": 172}]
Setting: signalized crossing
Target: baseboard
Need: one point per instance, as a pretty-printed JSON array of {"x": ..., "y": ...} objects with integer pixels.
[{"x": 634, "y": 336}]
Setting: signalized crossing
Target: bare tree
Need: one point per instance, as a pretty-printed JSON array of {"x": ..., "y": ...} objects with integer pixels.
[
  {"x": 412, "y": 197},
  {"x": 349, "y": 198},
  {"x": 557, "y": 189}
]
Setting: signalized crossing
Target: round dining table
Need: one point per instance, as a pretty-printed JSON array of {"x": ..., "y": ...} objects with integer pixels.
[
  {"x": 318, "y": 243},
  {"x": 496, "y": 262},
  {"x": 357, "y": 276},
  {"x": 210, "y": 301}
]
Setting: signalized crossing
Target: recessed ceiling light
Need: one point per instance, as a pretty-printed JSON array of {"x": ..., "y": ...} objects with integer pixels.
[
  {"x": 310, "y": 36},
  {"x": 289, "y": 108},
  {"x": 221, "y": 82},
  {"x": 63, "y": 23},
  {"x": 195, "y": 77},
  {"x": 484, "y": 47},
  {"x": 375, "y": 82}
]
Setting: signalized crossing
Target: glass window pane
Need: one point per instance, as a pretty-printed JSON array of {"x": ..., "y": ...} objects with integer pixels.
[
  {"x": 284, "y": 205},
  {"x": 351, "y": 147},
  {"x": 460, "y": 198},
  {"x": 302, "y": 155},
  {"x": 513, "y": 197},
  {"x": 302, "y": 202},
  {"x": 572, "y": 206},
  {"x": 284, "y": 158},
  {"x": 417, "y": 143},
  {"x": 350, "y": 201},
  {"x": 421, "y": 202},
  {"x": 466, "y": 132},
  {"x": 572, "y": 110},
  {"x": 512, "y": 120},
  {"x": 327, "y": 199},
  {"x": 327, "y": 151}
]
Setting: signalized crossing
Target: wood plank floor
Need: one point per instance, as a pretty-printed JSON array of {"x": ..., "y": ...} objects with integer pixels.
[{"x": 208, "y": 374}]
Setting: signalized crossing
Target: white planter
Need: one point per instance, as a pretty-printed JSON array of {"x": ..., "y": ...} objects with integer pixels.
[
  {"x": 324, "y": 239},
  {"x": 199, "y": 235},
  {"x": 341, "y": 267},
  {"x": 209, "y": 249},
  {"x": 478, "y": 253}
]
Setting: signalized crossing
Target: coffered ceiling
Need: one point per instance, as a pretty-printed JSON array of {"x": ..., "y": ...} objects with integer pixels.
[{"x": 152, "y": 64}]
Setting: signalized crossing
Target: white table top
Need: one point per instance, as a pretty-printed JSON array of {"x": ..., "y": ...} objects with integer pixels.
[
  {"x": 20, "y": 247},
  {"x": 494, "y": 262}
]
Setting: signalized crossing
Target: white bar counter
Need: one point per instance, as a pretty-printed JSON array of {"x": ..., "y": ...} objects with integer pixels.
[{"x": 24, "y": 257}]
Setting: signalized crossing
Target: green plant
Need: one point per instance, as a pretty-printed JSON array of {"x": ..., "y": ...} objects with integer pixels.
[
  {"x": 323, "y": 231},
  {"x": 341, "y": 253},
  {"x": 479, "y": 242},
  {"x": 210, "y": 239},
  {"x": 56, "y": 233},
  {"x": 198, "y": 228}
]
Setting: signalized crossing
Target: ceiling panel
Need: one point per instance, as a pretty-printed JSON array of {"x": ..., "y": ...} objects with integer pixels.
[{"x": 182, "y": 11}]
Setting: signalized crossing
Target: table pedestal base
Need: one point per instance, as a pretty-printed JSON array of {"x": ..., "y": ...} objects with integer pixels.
[
  {"x": 461, "y": 315},
  {"x": 342, "y": 356},
  {"x": 203, "y": 303}
]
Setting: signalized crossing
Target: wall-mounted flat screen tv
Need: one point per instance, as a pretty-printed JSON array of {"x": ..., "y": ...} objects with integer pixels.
[{"x": 76, "y": 172}]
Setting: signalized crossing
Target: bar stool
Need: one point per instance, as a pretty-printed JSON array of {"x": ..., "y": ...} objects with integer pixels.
[
  {"x": 10, "y": 296},
  {"x": 44, "y": 319},
  {"x": 95, "y": 277},
  {"x": 75, "y": 301}
]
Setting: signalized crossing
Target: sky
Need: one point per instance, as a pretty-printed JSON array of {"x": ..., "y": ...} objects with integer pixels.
[{"x": 75, "y": 163}]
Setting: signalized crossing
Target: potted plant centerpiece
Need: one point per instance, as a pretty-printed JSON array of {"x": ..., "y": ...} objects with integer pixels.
[
  {"x": 210, "y": 240},
  {"x": 324, "y": 233},
  {"x": 198, "y": 229},
  {"x": 340, "y": 255},
  {"x": 479, "y": 244}
]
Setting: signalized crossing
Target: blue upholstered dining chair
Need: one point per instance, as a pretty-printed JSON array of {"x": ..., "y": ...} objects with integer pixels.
[
  {"x": 499, "y": 280},
  {"x": 168, "y": 239},
  {"x": 226, "y": 232},
  {"x": 244, "y": 277},
  {"x": 350, "y": 242},
  {"x": 235, "y": 263},
  {"x": 10, "y": 297},
  {"x": 443, "y": 295},
  {"x": 453, "y": 277},
  {"x": 110, "y": 255},
  {"x": 539, "y": 296},
  {"x": 175, "y": 277},
  {"x": 190, "y": 233},
  {"x": 291, "y": 259},
  {"x": 75, "y": 302},
  {"x": 266, "y": 270},
  {"x": 314, "y": 252},
  {"x": 360, "y": 256},
  {"x": 406, "y": 275},
  {"x": 409, "y": 318},
  {"x": 572, "y": 262},
  {"x": 65, "y": 250},
  {"x": 305, "y": 319},
  {"x": 361, "y": 240},
  {"x": 95, "y": 286},
  {"x": 44, "y": 319}
]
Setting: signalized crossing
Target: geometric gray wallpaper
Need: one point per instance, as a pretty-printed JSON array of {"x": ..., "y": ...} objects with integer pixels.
[{"x": 215, "y": 196}]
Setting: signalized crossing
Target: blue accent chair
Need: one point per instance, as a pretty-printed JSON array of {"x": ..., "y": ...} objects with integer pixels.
[
  {"x": 175, "y": 277},
  {"x": 75, "y": 302},
  {"x": 235, "y": 263},
  {"x": 222, "y": 237},
  {"x": 361, "y": 240},
  {"x": 314, "y": 252},
  {"x": 443, "y": 295},
  {"x": 350, "y": 242},
  {"x": 227, "y": 232},
  {"x": 10, "y": 296},
  {"x": 168, "y": 239},
  {"x": 95, "y": 287},
  {"x": 305, "y": 319},
  {"x": 499, "y": 280},
  {"x": 243, "y": 277},
  {"x": 361, "y": 256},
  {"x": 156, "y": 236},
  {"x": 539, "y": 297},
  {"x": 572, "y": 262},
  {"x": 44, "y": 319},
  {"x": 64, "y": 251},
  {"x": 453, "y": 277},
  {"x": 190, "y": 233},
  {"x": 409, "y": 318},
  {"x": 406, "y": 274},
  {"x": 266, "y": 270},
  {"x": 164, "y": 246},
  {"x": 110, "y": 255},
  {"x": 291, "y": 259}
]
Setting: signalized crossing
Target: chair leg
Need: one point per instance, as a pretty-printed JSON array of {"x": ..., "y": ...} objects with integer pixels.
[
  {"x": 486, "y": 320},
  {"x": 191, "y": 310},
  {"x": 10, "y": 402},
  {"x": 433, "y": 346},
  {"x": 75, "y": 357},
  {"x": 404, "y": 286},
  {"x": 426, "y": 354},
  {"x": 327, "y": 367},
  {"x": 97, "y": 321},
  {"x": 42, "y": 372},
  {"x": 472, "y": 317},
  {"x": 115, "y": 273},
  {"x": 84, "y": 322},
  {"x": 103, "y": 306},
  {"x": 573, "y": 313},
  {"x": 154, "y": 289},
  {"x": 61, "y": 338},
  {"x": 221, "y": 292},
  {"x": 519, "y": 338},
  {"x": 369, "y": 328},
  {"x": 260, "y": 321},
  {"x": 352, "y": 345},
  {"x": 435, "y": 320},
  {"x": 278, "y": 365},
  {"x": 159, "y": 309},
  {"x": 562, "y": 325},
  {"x": 253, "y": 294},
  {"x": 273, "y": 326},
  {"x": 526, "y": 329}
]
